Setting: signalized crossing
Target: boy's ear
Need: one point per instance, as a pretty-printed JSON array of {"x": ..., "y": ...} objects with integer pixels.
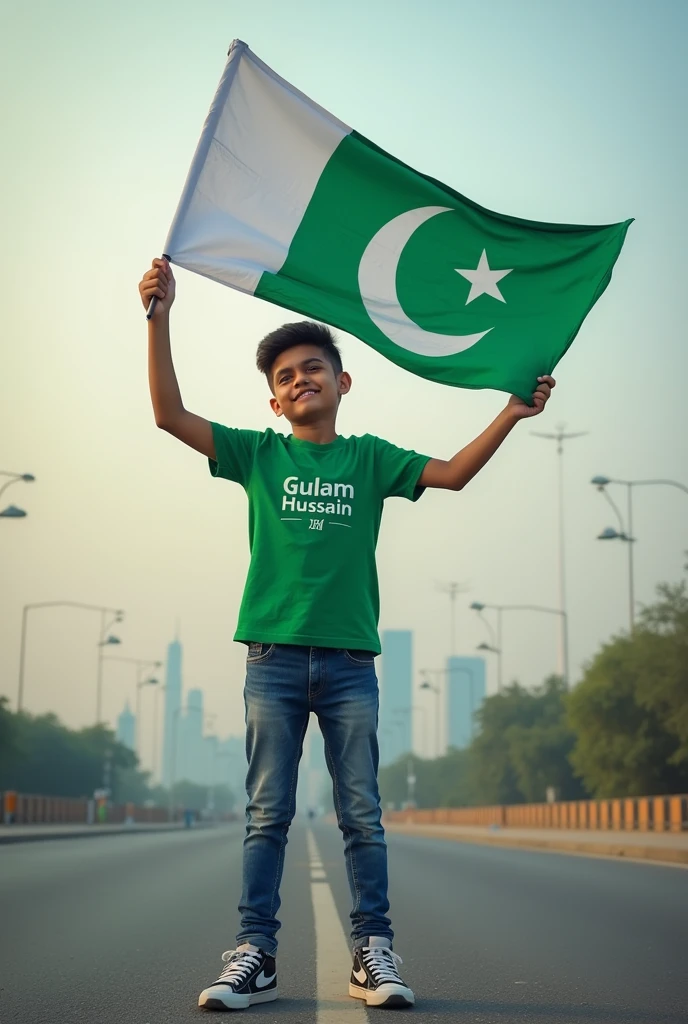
[
  {"x": 344, "y": 383},
  {"x": 276, "y": 407}
]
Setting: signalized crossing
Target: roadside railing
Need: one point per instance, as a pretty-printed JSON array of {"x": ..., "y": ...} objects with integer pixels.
[
  {"x": 642, "y": 814},
  {"x": 29, "y": 809}
]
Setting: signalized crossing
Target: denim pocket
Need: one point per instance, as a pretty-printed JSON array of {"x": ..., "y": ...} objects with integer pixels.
[
  {"x": 259, "y": 652},
  {"x": 360, "y": 657}
]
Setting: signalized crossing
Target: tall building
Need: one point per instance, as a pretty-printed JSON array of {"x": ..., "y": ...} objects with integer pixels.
[
  {"x": 396, "y": 694},
  {"x": 126, "y": 728},
  {"x": 465, "y": 694},
  {"x": 173, "y": 703},
  {"x": 230, "y": 768},
  {"x": 190, "y": 760}
]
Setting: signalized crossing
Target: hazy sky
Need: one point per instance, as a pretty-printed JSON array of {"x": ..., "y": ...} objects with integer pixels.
[{"x": 572, "y": 112}]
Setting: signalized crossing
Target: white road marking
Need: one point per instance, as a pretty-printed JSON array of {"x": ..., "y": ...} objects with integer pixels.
[{"x": 333, "y": 956}]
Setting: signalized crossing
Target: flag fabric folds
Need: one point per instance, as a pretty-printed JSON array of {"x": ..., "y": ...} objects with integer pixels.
[{"x": 286, "y": 202}]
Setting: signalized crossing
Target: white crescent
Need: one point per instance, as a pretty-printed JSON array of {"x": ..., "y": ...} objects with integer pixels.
[{"x": 377, "y": 280}]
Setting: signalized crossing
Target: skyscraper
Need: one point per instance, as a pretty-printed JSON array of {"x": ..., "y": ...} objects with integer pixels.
[
  {"x": 126, "y": 728},
  {"x": 465, "y": 694},
  {"x": 230, "y": 768},
  {"x": 396, "y": 694},
  {"x": 190, "y": 761},
  {"x": 173, "y": 702}
]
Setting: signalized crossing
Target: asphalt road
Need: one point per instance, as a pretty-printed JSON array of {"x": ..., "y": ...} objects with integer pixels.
[{"x": 127, "y": 930}]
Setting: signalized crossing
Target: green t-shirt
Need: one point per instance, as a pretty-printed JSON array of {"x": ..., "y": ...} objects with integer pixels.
[{"x": 314, "y": 518}]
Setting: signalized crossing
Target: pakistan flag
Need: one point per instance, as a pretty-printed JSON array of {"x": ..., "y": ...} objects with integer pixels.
[{"x": 286, "y": 202}]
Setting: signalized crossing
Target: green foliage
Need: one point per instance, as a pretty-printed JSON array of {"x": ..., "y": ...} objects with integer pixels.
[
  {"x": 48, "y": 758},
  {"x": 630, "y": 712},
  {"x": 442, "y": 782},
  {"x": 38, "y": 754},
  {"x": 522, "y": 746}
]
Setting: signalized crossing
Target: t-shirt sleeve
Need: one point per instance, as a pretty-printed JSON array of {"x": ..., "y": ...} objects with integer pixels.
[
  {"x": 398, "y": 471},
  {"x": 234, "y": 453}
]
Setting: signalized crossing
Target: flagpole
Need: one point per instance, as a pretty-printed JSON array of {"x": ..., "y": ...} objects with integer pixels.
[
  {"x": 236, "y": 49},
  {"x": 154, "y": 301}
]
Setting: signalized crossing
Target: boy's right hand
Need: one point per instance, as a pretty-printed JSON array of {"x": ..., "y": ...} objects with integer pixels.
[{"x": 159, "y": 282}]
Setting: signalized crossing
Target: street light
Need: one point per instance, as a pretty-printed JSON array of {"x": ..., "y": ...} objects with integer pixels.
[
  {"x": 497, "y": 647},
  {"x": 609, "y": 533},
  {"x": 560, "y": 436},
  {"x": 119, "y": 616},
  {"x": 449, "y": 671},
  {"x": 427, "y": 685},
  {"x": 156, "y": 720},
  {"x": 409, "y": 712},
  {"x": 106, "y": 640},
  {"x": 12, "y": 512},
  {"x": 452, "y": 589},
  {"x": 143, "y": 665}
]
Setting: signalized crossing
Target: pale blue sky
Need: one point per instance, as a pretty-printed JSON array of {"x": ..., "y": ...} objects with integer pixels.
[{"x": 568, "y": 112}]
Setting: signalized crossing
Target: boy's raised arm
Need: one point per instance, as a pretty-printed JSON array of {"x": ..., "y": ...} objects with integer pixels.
[
  {"x": 454, "y": 474},
  {"x": 170, "y": 414}
]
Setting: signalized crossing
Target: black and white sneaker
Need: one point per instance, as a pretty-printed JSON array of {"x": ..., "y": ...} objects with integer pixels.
[
  {"x": 250, "y": 976},
  {"x": 375, "y": 977}
]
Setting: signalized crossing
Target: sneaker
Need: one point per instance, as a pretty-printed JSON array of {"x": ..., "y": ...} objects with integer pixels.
[
  {"x": 250, "y": 976},
  {"x": 375, "y": 977}
]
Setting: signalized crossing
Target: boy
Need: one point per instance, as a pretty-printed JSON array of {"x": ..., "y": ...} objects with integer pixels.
[{"x": 309, "y": 617}]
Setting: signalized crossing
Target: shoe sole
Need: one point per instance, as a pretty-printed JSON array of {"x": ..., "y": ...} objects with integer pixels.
[
  {"x": 394, "y": 996},
  {"x": 234, "y": 1001}
]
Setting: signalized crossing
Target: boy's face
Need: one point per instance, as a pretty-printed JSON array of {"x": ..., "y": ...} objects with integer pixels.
[{"x": 305, "y": 386}]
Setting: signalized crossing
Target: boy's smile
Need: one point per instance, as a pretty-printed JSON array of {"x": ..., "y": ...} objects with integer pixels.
[{"x": 305, "y": 386}]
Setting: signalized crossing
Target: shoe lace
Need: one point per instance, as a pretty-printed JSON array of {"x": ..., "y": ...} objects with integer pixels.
[
  {"x": 382, "y": 963},
  {"x": 240, "y": 963}
]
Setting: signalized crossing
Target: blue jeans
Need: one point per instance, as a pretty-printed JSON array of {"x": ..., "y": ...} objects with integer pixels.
[{"x": 284, "y": 684}]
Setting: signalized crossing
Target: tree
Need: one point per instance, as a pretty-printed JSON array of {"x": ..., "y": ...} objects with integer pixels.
[
  {"x": 523, "y": 746},
  {"x": 47, "y": 758},
  {"x": 630, "y": 711},
  {"x": 9, "y": 739}
]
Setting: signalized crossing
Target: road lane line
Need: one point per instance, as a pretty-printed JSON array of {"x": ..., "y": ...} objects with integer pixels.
[{"x": 332, "y": 953}]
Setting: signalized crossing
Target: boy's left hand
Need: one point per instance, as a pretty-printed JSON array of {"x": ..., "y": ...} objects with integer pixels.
[{"x": 518, "y": 408}]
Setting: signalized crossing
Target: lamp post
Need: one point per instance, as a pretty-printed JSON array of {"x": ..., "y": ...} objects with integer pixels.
[
  {"x": 495, "y": 641},
  {"x": 427, "y": 685},
  {"x": 478, "y": 606},
  {"x": 156, "y": 720},
  {"x": 601, "y": 483},
  {"x": 452, "y": 589},
  {"x": 106, "y": 640},
  {"x": 12, "y": 512},
  {"x": 409, "y": 713},
  {"x": 560, "y": 436},
  {"x": 143, "y": 665},
  {"x": 119, "y": 616},
  {"x": 449, "y": 672}
]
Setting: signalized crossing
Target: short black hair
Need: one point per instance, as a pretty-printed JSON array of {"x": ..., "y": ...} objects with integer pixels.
[{"x": 307, "y": 332}]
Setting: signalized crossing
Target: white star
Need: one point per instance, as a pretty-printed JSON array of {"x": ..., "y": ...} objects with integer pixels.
[{"x": 483, "y": 280}]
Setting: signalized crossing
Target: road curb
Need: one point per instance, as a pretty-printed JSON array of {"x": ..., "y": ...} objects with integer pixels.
[
  {"x": 7, "y": 838},
  {"x": 626, "y": 851}
]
